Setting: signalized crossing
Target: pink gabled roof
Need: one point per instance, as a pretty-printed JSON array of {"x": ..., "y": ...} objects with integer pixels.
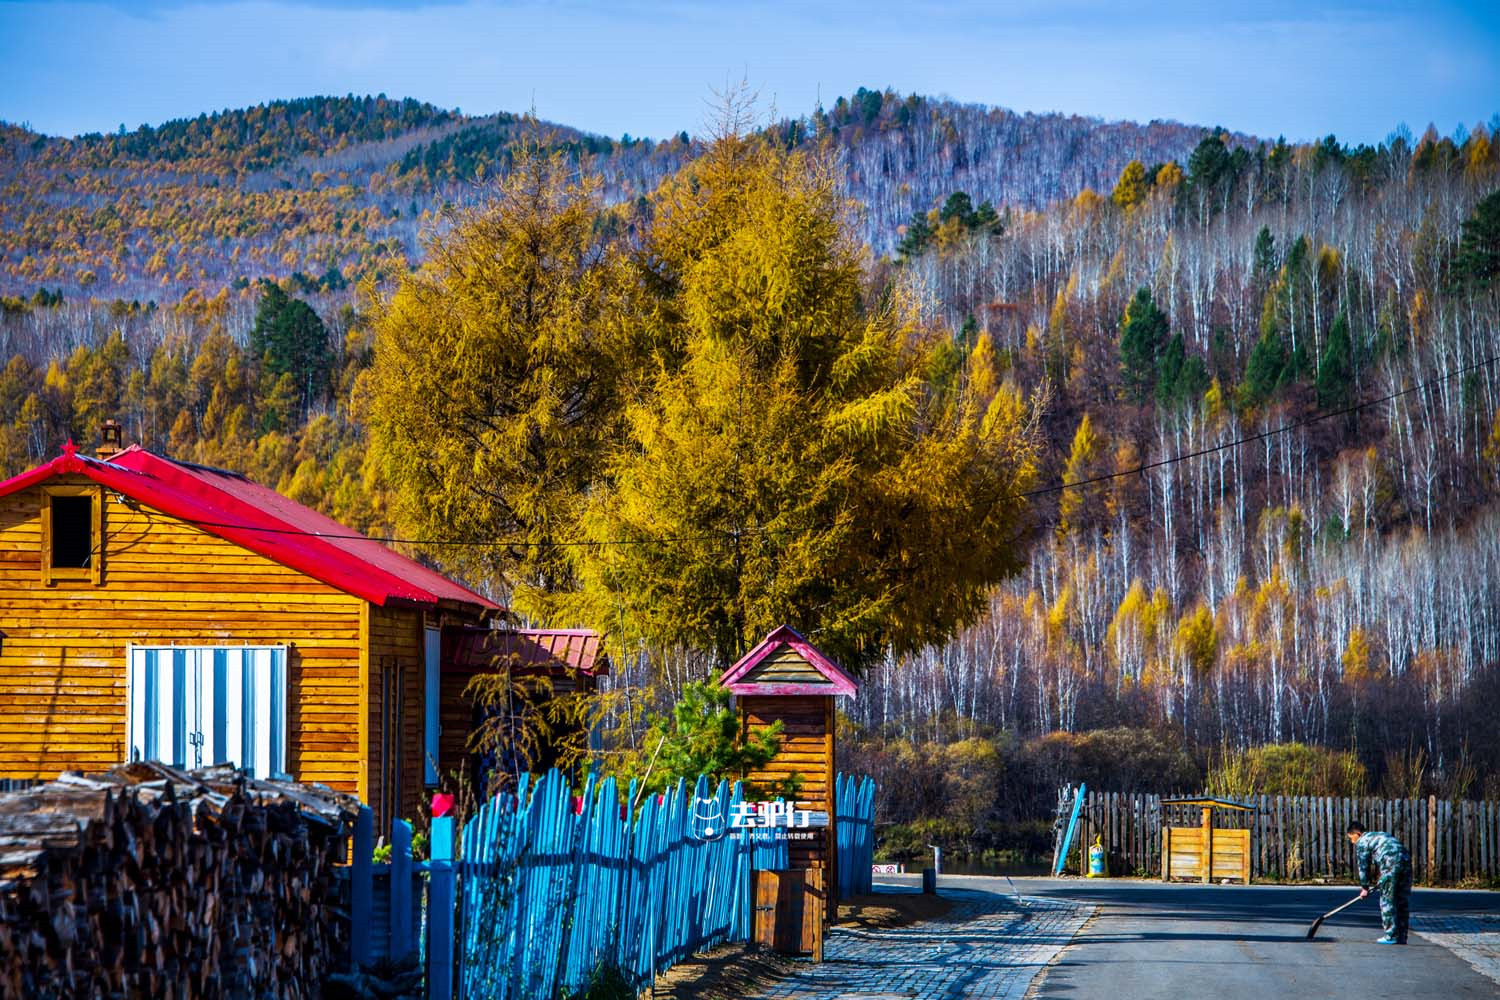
[
  {"x": 238, "y": 510},
  {"x": 568, "y": 648},
  {"x": 839, "y": 683}
]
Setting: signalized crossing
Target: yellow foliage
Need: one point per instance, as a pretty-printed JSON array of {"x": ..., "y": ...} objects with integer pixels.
[
  {"x": 1213, "y": 402},
  {"x": 1081, "y": 458},
  {"x": 1087, "y": 203},
  {"x": 1479, "y": 155},
  {"x": 1198, "y": 639},
  {"x": 1169, "y": 176},
  {"x": 1357, "y": 658},
  {"x": 1130, "y": 189},
  {"x": 1061, "y": 611},
  {"x": 1492, "y": 447}
]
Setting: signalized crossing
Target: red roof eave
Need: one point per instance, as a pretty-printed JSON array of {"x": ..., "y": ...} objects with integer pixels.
[{"x": 247, "y": 527}]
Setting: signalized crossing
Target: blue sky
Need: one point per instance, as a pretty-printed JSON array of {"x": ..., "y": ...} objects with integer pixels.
[{"x": 1303, "y": 69}]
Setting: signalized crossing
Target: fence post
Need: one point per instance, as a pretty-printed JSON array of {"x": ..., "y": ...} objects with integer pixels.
[
  {"x": 360, "y": 889},
  {"x": 401, "y": 935},
  {"x": 440, "y": 895}
]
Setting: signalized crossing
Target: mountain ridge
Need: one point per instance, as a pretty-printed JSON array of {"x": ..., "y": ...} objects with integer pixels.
[{"x": 350, "y": 183}]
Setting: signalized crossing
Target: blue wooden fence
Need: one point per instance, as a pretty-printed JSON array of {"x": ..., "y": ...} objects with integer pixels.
[
  {"x": 550, "y": 888},
  {"x": 556, "y": 889},
  {"x": 854, "y": 807}
]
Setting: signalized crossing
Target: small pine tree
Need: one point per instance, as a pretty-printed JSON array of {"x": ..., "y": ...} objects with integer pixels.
[
  {"x": 289, "y": 338},
  {"x": 1265, "y": 368},
  {"x": 1169, "y": 371},
  {"x": 702, "y": 736},
  {"x": 914, "y": 243},
  {"x": 1265, "y": 252},
  {"x": 1478, "y": 259},
  {"x": 1335, "y": 382},
  {"x": 1143, "y": 334}
]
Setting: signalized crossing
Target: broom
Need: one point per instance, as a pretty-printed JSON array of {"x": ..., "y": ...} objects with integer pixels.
[{"x": 1319, "y": 922}]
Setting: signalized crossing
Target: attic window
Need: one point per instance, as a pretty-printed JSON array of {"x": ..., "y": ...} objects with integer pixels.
[{"x": 71, "y": 534}]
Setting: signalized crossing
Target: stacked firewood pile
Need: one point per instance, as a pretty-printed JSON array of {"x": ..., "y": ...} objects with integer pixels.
[{"x": 152, "y": 882}]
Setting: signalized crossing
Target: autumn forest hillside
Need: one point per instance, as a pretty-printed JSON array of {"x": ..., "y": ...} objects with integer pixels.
[{"x": 1263, "y": 505}]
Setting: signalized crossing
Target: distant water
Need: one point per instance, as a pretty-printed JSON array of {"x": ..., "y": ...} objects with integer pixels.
[
  {"x": 982, "y": 866},
  {"x": 990, "y": 866}
]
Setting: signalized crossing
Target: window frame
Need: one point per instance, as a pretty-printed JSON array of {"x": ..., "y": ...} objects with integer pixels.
[{"x": 94, "y": 571}]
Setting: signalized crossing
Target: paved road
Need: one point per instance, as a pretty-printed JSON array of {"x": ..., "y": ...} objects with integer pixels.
[
  {"x": 1151, "y": 940},
  {"x": 987, "y": 947}
]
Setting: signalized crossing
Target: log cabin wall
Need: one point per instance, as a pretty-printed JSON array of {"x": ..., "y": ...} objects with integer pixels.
[
  {"x": 806, "y": 750},
  {"x": 63, "y": 655}
]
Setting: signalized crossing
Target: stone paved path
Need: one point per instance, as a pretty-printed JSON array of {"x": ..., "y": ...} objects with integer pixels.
[
  {"x": 987, "y": 946},
  {"x": 1473, "y": 937}
]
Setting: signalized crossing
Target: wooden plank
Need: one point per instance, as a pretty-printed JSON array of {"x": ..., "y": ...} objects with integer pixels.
[
  {"x": 1444, "y": 851},
  {"x": 1206, "y": 866},
  {"x": 1466, "y": 838}
]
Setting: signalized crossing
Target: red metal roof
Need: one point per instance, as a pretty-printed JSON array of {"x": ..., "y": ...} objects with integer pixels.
[
  {"x": 838, "y": 682},
  {"x": 482, "y": 648},
  {"x": 232, "y": 507}
]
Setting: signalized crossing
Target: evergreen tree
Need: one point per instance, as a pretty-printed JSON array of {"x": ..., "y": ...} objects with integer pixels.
[
  {"x": 1335, "y": 382},
  {"x": 702, "y": 736},
  {"x": 1265, "y": 368},
  {"x": 289, "y": 338},
  {"x": 1478, "y": 259},
  {"x": 914, "y": 243},
  {"x": 958, "y": 206},
  {"x": 1209, "y": 162},
  {"x": 1181, "y": 378},
  {"x": 1143, "y": 334},
  {"x": 1169, "y": 370},
  {"x": 1265, "y": 252}
]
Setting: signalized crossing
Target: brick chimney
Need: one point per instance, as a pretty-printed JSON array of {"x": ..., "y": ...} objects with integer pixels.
[{"x": 111, "y": 439}]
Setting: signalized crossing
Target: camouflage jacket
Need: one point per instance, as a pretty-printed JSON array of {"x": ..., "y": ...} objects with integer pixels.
[{"x": 1385, "y": 851}]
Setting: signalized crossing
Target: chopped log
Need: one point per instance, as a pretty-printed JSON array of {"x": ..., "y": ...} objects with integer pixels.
[{"x": 152, "y": 881}]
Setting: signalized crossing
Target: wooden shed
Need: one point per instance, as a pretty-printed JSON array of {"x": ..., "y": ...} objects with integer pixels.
[
  {"x": 157, "y": 609},
  {"x": 784, "y": 678},
  {"x": 572, "y": 660}
]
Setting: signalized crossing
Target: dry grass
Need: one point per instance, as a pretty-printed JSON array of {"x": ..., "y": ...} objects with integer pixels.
[{"x": 732, "y": 972}]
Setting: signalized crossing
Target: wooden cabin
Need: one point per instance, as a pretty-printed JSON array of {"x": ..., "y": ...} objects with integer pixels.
[
  {"x": 156, "y": 609},
  {"x": 571, "y": 660},
  {"x": 786, "y": 679}
]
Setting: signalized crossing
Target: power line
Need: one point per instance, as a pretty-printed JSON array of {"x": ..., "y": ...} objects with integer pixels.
[
  {"x": 1261, "y": 436},
  {"x": 716, "y": 536}
]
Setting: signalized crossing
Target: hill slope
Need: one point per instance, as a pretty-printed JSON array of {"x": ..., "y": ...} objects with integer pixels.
[{"x": 339, "y": 189}]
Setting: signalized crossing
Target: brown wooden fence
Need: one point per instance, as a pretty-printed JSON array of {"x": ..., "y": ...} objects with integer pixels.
[{"x": 1299, "y": 837}]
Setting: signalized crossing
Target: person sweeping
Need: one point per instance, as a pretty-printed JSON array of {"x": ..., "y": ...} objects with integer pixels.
[{"x": 1392, "y": 862}]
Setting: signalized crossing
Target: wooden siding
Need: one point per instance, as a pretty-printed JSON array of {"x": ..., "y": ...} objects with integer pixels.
[
  {"x": 806, "y": 749},
  {"x": 62, "y": 664},
  {"x": 396, "y": 654},
  {"x": 456, "y": 721},
  {"x": 785, "y": 666}
]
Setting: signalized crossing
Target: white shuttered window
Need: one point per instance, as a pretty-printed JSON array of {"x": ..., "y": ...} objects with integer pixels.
[{"x": 192, "y": 706}]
